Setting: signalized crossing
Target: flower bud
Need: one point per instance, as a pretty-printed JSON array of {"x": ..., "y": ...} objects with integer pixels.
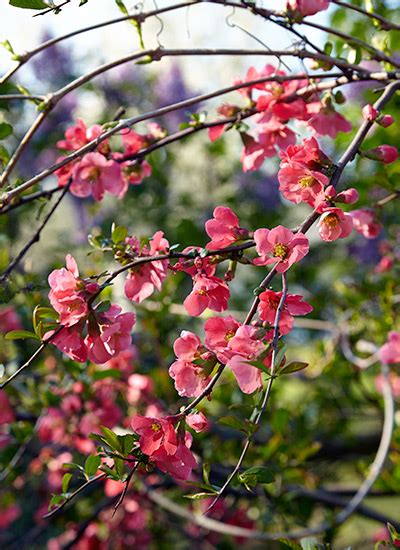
[
  {"x": 385, "y": 121},
  {"x": 349, "y": 196},
  {"x": 369, "y": 113},
  {"x": 384, "y": 153}
]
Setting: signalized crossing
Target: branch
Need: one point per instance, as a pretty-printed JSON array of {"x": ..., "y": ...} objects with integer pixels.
[
  {"x": 36, "y": 236},
  {"x": 385, "y": 23},
  {"x": 365, "y": 75},
  {"x": 274, "y": 347}
]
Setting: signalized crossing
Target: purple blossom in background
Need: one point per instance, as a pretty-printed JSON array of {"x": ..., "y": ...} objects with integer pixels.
[
  {"x": 264, "y": 189},
  {"x": 365, "y": 251},
  {"x": 171, "y": 88},
  {"x": 54, "y": 64},
  {"x": 124, "y": 86}
]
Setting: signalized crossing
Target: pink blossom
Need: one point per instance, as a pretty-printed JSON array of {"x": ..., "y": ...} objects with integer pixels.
[
  {"x": 6, "y": 412},
  {"x": 307, "y": 154},
  {"x": 154, "y": 434},
  {"x": 215, "y": 132},
  {"x": 9, "y": 320},
  {"x": 198, "y": 265},
  {"x": 9, "y": 514},
  {"x": 307, "y": 7},
  {"x": 79, "y": 135},
  {"x": 190, "y": 378},
  {"x": 279, "y": 245},
  {"x": 369, "y": 113},
  {"x": 385, "y": 121},
  {"x": 365, "y": 223},
  {"x": 143, "y": 280},
  {"x": 383, "y": 153},
  {"x": 299, "y": 184},
  {"x": 208, "y": 292},
  {"x": 68, "y": 294},
  {"x": 110, "y": 336},
  {"x": 180, "y": 464},
  {"x": 390, "y": 352},
  {"x": 325, "y": 121},
  {"x": 224, "y": 229},
  {"x": 52, "y": 426},
  {"x": 134, "y": 172},
  {"x": 385, "y": 264},
  {"x": 294, "y": 305},
  {"x": 94, "y": 175},
  {"x": 348, "y": 196},
  {"x": 219, "y": 331},
  {"x": 243, "y": 347},
  {"x": 139, "y": 386},
  {"x": 197, "y": 421},
  {"x": 334, "y": 224},
  {"x": 70, "y": 342},
  {"x": 170, "y": 452}
]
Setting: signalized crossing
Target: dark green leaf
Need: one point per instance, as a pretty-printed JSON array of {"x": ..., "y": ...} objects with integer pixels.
[
  {"x": 119, "y": 234},
  {"x": 65, "y": 482},
  {"x": 29, "y": 4},
  {"x": 261, "y": 473},
  {"x": 20, "y": 335},
  {"x": 295, "y": 366},
  {"x": 5, "y": 130},
  {"x": 199, "y": 496},
  {"x": 92, "y": 464},
  {"x": 109, "y": 373}
]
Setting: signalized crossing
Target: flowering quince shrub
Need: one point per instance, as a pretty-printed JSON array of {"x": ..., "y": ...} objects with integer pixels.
[{"x": 195, "y": 374}]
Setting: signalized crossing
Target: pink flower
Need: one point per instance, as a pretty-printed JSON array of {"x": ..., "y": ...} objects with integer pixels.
[
  {"x": 134, "y": 172},
  {"x": 325, "y": 121},
  {"x": 6, "y": 412},
  {"x": 180, "y": 464},
  {"x": 215, "y": 132},
  {"x": 170, "y": 452},
  {"x": 383, "y": 153},
  {"x": 9, "y": 320},
  {"x": 390, "y": 352},
  {"x": 224, "y": 229},
  {"x": 385, "y": 264},
  {"x": 9, "y": 513},
  {"x": 190, "y": 378},
  {"x": 143, "y": 280},
  {"x": 243, "y": 347},
  {"x": 155, "y": 433},
  {"x": 307, "y": 155},
  {"x": 94, "y": 175},
  {"x": 139, "y": 386},
  {"x": 208, "y": 292},
  {"x": 369, "y": 113},
  {"x": 197, "y": 421},
  {"x": 334, "y": 224},
  {"x": 365, "y": 223},
  {"x": 279, "y": 245},
  {"x": 385, "y": 121},
  {"x": 294, "y": 305},
  {"x": 307, "y": 7},
  {"x": 110, "y": 336},
  {"x": 219, "y": 331},
  {"x": 69, "y": 293},
  {"x": 79, "y": 135},
  {"x": 52, "y": 426},
  {"x": 299, "y": 184},
  {"x": 70, "y": 342}
]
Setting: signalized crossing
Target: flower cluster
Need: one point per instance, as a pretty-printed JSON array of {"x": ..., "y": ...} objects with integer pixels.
[
  {"x": 277, "y": 103},
  {"x": 103, "y": 170},
  {"x": 98, "y": 332}
]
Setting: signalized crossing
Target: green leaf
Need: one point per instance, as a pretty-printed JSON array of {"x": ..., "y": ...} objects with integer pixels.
[
  {"x": 232, "y": 422},
  {"x": 311, "y": 543},
  {"x": 65, "y": 482},
  {"x": 199, "y": 496},
  {"x": 92, "y": 464},
  {"x": 126, "y": 442},
  {"x": 111, "y": 438},
  {"x": 73, "y": 466},
  {"x": 119, "y": 234},
  {"x": 29, "y": 4},
  {"x": 261, "y": 473},
  {"x": 290, "y": 544},
  {"x": 20, "y": 335},
  {"x": 119, "y": 466},
  {"x": 4, "y": 155},
  {"x": 295, "y": 366},
  {"x": 103, "y": 306},
  {"x": 55, "y": 501},
  {"x": 5, "y": 130},
  {"x": 394, "y": 534}
]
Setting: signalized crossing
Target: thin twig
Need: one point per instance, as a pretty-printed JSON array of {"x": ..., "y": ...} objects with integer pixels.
[{"x": 267, "y": 393}]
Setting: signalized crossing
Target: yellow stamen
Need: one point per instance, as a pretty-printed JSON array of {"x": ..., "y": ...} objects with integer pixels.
[{"x": 280, "y": 251}]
